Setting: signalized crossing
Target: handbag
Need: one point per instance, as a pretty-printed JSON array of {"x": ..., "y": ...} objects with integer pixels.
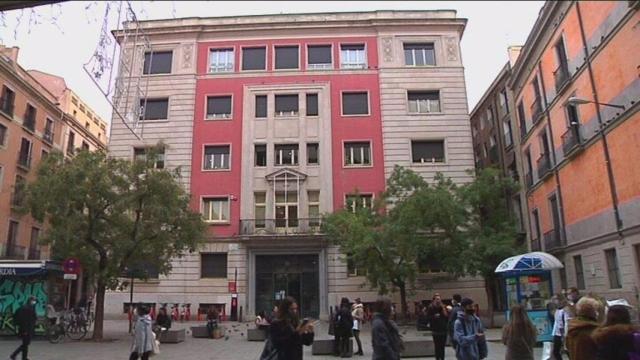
[
  {"x": 156, "y": 346},
  {"x": 269, "y": 352}
]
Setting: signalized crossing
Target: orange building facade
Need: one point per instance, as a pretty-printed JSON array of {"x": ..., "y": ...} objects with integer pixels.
[{"x": 576, "y": 87}]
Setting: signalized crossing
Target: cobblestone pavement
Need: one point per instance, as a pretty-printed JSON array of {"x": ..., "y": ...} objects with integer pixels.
[{"x": 234, "y": 347}]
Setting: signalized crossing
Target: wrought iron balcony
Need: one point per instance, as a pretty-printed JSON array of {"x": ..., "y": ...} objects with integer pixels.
[
  {"x": 280, "y": 226},
  {"x": 17, "y": 198},
  {"x": 571, "y": 139},
  {"x": 34, "y": 254},
  {"x": 544, "y": 165},
  {"x": 14, "y": 252},
  {"x": 48, "y": 136},
  {"x": 6, "y": 106},
  {"x": 536, "y": 110},
  {"x": 24, "y": 160},
  {"x": 535, "y": 245},
  {"x": 552, "y": 240},
  {"x": 561, "y": 76},
  {"x": 528, "y": 180},
  {"x": 29, "y": 122}
]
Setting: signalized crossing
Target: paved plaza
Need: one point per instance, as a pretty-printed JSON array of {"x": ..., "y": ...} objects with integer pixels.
[{"x": 235, "y": 346}]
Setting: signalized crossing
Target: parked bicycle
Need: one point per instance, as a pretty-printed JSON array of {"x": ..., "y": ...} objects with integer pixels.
[{"x": 72, "y": 324}]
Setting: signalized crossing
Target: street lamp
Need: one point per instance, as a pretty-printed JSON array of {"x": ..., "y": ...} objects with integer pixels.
[{"x": 574, "y": 100}]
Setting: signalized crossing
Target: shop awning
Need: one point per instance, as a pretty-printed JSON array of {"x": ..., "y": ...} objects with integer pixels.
[
  {"x": 530, "y": 261},
  {"x": 27, "y": 268}
]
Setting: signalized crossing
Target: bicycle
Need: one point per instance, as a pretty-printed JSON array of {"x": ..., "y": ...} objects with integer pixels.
[{"x": 70, "y": 324}]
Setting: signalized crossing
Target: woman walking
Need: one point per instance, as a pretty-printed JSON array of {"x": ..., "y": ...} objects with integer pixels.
[
  {"x": 614, "y": 338},
  {"x": 579, "y": 342},
  {"x": 385, "y": 337},
  {"x": 143, "y": 340},
  {"x": 438, "y": 321},
  {"x": 287, "y": 334},
  {"x": 519, "y": 335}
]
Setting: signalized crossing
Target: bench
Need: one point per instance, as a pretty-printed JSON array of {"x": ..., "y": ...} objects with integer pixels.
[
  {"x": 326, "y": 347},
  {"x": 418, "y": 348},
  {"x": 199, "y": 331},
  {"x": 172, "y": 336},
  {"x": 256, "y": 334}
]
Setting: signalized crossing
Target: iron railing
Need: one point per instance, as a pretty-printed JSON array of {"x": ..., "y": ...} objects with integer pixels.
[
  {"x": 561, "y": 76},
  {"x": 24, "y": 160},
  {"x": 291, "y": 226},
  {"x": 14, "y": 252},
  {"x": 544, "y": 165},
  {"x": 30, "y": 122},
  {"x": 552, "y": 240},
  {"x": 536, "y": 110},
  {"x": 17, "y": 198},
  {"x": 34, "y": 253},
  {"x": 6, "y": 106},
  {"x": 535, "y": 245},
  {"x": 48, "y": 136},
  {"x": 570, "y": 139}
]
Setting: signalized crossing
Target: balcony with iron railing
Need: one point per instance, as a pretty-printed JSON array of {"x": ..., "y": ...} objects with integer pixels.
[
  {"x": 535, "y": 245},
  {"x": 29, "y": 122},
  {"x": 544, "y": 165},
  {"x": 6, "y": 106},
  {"x": 14, "y": 252},
  {"x": 24, "y": 160},
  {"x": 292, "y": 226},
  {"x": 17, "y": 198},
  {"x": 48, "y": 136},
  {"x": 571, "y": 140},
  {"x": 552, "y": 240},
  {"x": 528, "y": 180},
  {"x": 561, "y": 76},
  {"x": 536, "y": 110},
  {"x": 34, "y": 253}
]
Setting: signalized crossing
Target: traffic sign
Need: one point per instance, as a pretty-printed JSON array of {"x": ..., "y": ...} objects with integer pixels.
[
  {"x": 70, "y": 276},
  {"x": 71, "y": 266}
]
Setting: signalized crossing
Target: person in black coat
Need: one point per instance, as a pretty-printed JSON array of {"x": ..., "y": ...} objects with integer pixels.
[
  {"x": 438, "y": 323},
  {"x": 25, "y": 318},
  {"x": 287, "y": 334},
  {"x": 344, "y": 327},
  {"x": 162, "y": 320},
  {"x": 385, "y": 336}
]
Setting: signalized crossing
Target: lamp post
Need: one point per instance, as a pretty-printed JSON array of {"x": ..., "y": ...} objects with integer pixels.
[{"x": 574, "y": 100}]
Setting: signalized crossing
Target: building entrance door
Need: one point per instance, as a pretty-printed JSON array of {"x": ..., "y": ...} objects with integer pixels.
[{"x": 279, "y": 276}]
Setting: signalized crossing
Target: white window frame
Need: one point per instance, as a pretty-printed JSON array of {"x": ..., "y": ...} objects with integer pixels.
[
  {"x": 313, "y": 203},
  {"x": 350, "y": 162},
  {"x": 279, "y": 152},
  {"x": 220, "y": 116},
  {"x": 223, "y": 202},
  {"x": 350, "y": 59},
  {"x": 262, "y": 205},
  {"x": 320, "y": 66},
  {"x": 424, "y": 54},
  {"x": 284, "y": 113},
  {"x": 212, "y": 158},
  {"x": 424, "y": 106},
  {"x": 4, "y": 140},
  {"x": 224, "y": 60},
  {"x": 359, "y": 198}
]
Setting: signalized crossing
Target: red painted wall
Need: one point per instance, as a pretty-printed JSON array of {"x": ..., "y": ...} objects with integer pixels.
[{"x": 223, "y": 183}]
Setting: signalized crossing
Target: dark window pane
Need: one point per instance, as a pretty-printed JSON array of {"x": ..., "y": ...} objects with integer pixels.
[
  {"x": 286, "y": 154},
  {"x": 424, "y": 101},
  {"x": 312, "y": 154},
  {"x": 154, "y": 109},
  {"x": 157, "y": 62},
  {"x": 419, "y": 54},
  {"x": 261, "y": 106},
  {"x": 355, "y": 103},
  {"x": 286, "y": 104},
  {"x": 254, "y": 58},
  {"x": 427, "y": 151},
  {"x": 357, "y": 153},
  {"x": 352, "y": 47},
  {"x": 213, "y": 265},
  {"x": 286, "y": 57},
  {"x": 319, "y": 54},
  {"x": 216, "y": 150},
  {"x": 312, "y": 104},
  {"x": 218, "y": 107},
  {"x": 3, "y": 135},
  {"x": 261, "y": 155}
]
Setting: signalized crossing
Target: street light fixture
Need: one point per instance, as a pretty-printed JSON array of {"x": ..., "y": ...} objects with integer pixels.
[{"x": 578, "y": 101}]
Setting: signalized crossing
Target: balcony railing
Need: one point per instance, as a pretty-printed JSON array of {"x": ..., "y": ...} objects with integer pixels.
[
  {"x": 48, "y": 136},
  {"x": 34, "y": 254},
  {"x": 24, "y": 160},
  {"x": 6, "y": 106},
  {"x": 528, "y": 180},
  {"x": 570, "y": 139},
  {"x": 544, "y": 165},
  {"x": 17, "y": 198},
  {"x": 280, "y": 226},
  {"x": 493, "y": 154},
  {"x": 29, "y": 123},
  {"x": 561, "y": 76},
  {"x": 14, "y": 252},
  {"x": 552, "y": 240},
  {"x": 536, "y": 110},
  {"x": 535, "y": 245}
]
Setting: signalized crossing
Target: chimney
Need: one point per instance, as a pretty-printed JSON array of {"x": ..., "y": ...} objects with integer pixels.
[
  {"x": 514, "y": 52},
  {"x": 10, "y": 52}
]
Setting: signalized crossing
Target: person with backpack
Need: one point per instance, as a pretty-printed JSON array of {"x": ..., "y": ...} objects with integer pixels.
[
  {"x": 453, "y": 316},
  {"x": 615, "y": 338},
  {"x": 25, "y": 319},
  {"x": 468, "y": 334},
  {"x": 358, "y": 317},
  {"x": 385, "y": 337},
  {"x": 344, "y": 326}
]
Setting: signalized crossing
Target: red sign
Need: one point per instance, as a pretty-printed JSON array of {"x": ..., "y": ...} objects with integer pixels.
[
  {"x": 232, "y": 287},
  {"x": 72, "y": 266},
  {"x": 534, "y": 279}
]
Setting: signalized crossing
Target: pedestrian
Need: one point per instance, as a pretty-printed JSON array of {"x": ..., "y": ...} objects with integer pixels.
[
  {"x": 614, "y": 339},
  {"x": 453, "y": 316},
  {"x": 438, "y": 321},
  {"x": 579, "y": 342},
  {"x": 519, "y": 335},
  {"x": 469, "y": 334},
  {"x": 25, "y": 319},
  {"x": 261, "y": 321},
  {"x": 212, "y": 321},
  {"x": 358, "y": 319},
  {"x": 287, "y": 333},
  {"x": 560, "y": 321},
  {"x": 344, "y": 327},
  {"x": 143, "y": 339},
  {"x": 163, "y": 321},
  {"x": 385, "y": 337}
]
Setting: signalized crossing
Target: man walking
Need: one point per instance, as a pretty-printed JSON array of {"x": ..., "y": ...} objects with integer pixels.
[
  {"x": 469, "y": 334},
  {"x": 358, "y": 316},
  {"x": 25, "y": 318},
  {"x": 453, "y": 316}
]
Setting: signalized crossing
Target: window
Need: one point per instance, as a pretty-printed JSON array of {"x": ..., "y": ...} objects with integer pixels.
[
  {"x": 154, "y": 109},
  {"x": 261, "y": 106},
  {"x": 44, "y": 154},
  {"x": 215, "y": 210},
  {"x": 12, "y": 237},
  {"x": 521, "y": 118},
  {"x": 286, "y": 105},
  {"x": 261, "y": 155},
  {"x": 71, "y": 148},
  {"x": 216, "y": 157},
  {"x": 24, "y": 156},
  {"x": 254, "y": 58},
  {"x": 504, "y": 102},
  {"x": 555, "y": 215},
  {"x": 48, "y": 131},
  {"x": 319, "y": 57},
  {"x": 492, "y": 141},
  {"x": 352, "y": 268},
  {"x": 33, "y": 244},
  {"x": 313, "y": 198},
  {"x": 286, "y": 209},
  {"x": 221, "y": 60},
  {"x": 74, "y": 101},
  {"x": 213, "y": 265},
  {"x": 424, "y": 101},
  {"x": 577, "y": 263},
  {"x": 84, "y": 146},
  {"x": 286, "y": 154},
  {"x": 30, "y": 118},
  {"x": 218, "y": 107},
  {"x": 419, "y": 54},
  {"x": 1, "y": 176},
  {"x": 357, "y": 153},
  {"x": 355, "y": 103},
  {"x": 312, "y": 104},
  {"x": 427, "y": 151},
  {"x": 353, "y": 56},
  {"x": 536, "y": 224},
  {"x": 260, "y": 199},
  {"x": 312, "y": 154},
  {"x": 140, "y": 154},
  {"x": 7, "y": 101},
  {"x": 82, "y": 109},
  {"x": 508, "y": 135},
  {"x": 286, "y": 57},
  {"x": 613, "y": 269},
  {"x": 364, "y": 201},
  {"x": 158, "y": 62},
  {"x": 87, "y": 125},
  {"x": 572, "y": 114},
  {"x": 3, "y": 135},
  {"x": 561, "y": 73},
  {"x": 18, "y": 191}
]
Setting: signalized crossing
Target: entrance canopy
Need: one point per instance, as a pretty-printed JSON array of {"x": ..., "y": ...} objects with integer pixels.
[
  {"x": 530, "y": 261},
  {"x": 27, "y": 268}
]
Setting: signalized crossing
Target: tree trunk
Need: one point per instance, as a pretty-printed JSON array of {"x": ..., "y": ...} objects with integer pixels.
[
  {"x": 403, "y": 300},
  {"x": 99, "y": 322},
  {"x": 488, "y": 283}
]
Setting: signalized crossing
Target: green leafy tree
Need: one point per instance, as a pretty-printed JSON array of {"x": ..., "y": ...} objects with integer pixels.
[{"x": 113, "y": 215}]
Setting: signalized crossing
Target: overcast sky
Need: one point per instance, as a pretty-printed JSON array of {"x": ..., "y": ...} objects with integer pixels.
[{"x": 62, "y": 46}]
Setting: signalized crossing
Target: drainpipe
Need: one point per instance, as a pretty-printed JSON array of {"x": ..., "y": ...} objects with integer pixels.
[
  {"x": 556, "y": 173},
  {"x": 607, "y": 157}
]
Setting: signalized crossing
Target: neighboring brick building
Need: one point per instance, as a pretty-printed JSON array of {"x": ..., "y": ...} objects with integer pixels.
[
  {"x": 277, "y": 119},
  {"x": 578, "y": 159}
]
